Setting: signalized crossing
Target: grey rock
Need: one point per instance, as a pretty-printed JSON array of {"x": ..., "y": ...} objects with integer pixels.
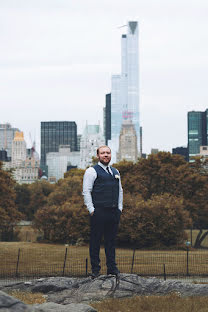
[
  {"x": 8, "y": 303},
  {"x": 129, "y": 285},
  {"x": 45, "y": 285},
  {"x": 54, "y": 284},
  {"x": 72, "y": 294}
]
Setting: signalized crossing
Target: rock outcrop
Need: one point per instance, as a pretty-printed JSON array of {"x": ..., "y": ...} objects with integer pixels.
[{"x": 75, "y": 294}]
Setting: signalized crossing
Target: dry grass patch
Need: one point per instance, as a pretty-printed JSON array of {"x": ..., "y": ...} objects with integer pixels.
[
  {"x": 170, "y": 303},
  {"x": 27, "y": 297},
  {"x": 48, "y": 259}
]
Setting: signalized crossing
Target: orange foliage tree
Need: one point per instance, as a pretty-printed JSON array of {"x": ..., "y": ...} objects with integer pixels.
[
  {"x": 64, "y": 218},
  {"x": 9, "y": 215}
]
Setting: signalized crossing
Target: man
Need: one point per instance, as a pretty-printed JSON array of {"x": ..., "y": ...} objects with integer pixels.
[{"x": 103, "y": 196}]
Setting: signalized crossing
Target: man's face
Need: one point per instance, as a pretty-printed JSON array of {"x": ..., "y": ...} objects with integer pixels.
[{"x": 104, "y": 155}]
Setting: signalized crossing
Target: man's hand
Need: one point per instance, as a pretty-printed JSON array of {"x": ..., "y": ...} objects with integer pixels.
[{"x": 92, "y": 213}]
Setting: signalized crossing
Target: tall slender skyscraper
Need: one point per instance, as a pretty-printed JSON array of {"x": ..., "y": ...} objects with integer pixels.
[{"x": 125, "y": 91}]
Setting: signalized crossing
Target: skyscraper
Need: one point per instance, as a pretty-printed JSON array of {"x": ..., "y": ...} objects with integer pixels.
[
  {"x": 7, "y": 134},
  {"x": 183, "y": 151},
  {"x": 197, "y": 132},
  {"x": 107, "y": 118},
  {"x": 19, "y": 152},
  {"x": 25, "y": 169},
  {"x": 127, "y": 143},
  {"x": 125, "y": 89},
  {"x": 58, "y": 162},
  {"x": 56, "y": 133},
  {"x": 92, "y": 138}
]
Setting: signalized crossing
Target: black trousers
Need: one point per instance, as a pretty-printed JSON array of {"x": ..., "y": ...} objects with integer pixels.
[{"x": 105, "y": 222}]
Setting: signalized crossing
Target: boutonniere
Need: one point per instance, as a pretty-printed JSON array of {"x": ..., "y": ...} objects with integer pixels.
[{"x": 117, "y": 176}]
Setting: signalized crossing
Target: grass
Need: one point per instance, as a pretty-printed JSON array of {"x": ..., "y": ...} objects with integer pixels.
[
  {"x": 170, "y": 303},
  {"x": 48, "y": 259},
  {"x": 27, "y": 297}
]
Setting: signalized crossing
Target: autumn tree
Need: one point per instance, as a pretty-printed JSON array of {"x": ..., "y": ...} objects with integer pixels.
[
  {"x": 64, "y": 218},
  {"x": 157, "y": 174},
  {"x": 39, "y": 193},
  {"x": 9, "y": 215},
  {"x": 159, "y": 221},
  {"x": 65, "y": 223},
  {"x": 22, "y": 200},
  {"x": 162, "y": 194},
  {"x": 167, "y": 173}
]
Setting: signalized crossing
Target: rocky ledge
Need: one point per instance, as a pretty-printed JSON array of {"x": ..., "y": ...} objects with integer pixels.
[{"x": 75, "y": 294}]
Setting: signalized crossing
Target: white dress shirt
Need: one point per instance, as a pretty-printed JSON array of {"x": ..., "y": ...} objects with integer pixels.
[{"x": 88, "y": 182}]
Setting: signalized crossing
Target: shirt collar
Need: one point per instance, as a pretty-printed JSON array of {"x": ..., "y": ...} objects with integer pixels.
[{"x": 103, "y": 166}]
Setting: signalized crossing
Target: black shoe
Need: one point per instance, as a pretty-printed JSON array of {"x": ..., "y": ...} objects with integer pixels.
[
  {"x": 95, "y": 274},
  {"x": 115, "y": 272}
]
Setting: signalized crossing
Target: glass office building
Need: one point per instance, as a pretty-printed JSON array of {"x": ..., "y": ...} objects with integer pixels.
[
  {"x": 125, "y": 89},
  {"x": 57, "y": 162},
  {"x": 56, "y": 133},
  {"x": 197, "y": 132}
]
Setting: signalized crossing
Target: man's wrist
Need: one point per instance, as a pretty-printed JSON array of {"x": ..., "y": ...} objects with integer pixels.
[{"x": 91, "y": 210}]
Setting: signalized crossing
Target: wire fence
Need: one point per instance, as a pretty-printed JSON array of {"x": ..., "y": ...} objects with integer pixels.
[{"x": 75, "y": 261}]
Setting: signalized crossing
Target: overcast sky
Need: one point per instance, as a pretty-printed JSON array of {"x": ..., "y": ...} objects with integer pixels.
[{"x": 57, "y": 58}]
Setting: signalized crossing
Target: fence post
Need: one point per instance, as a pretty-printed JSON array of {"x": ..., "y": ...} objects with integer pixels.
[
  {"x": 65, "y": 260},
  {"x": 191, "y": 236},
  {"x": 164, "y": 272},
  {"x": 17, "y": 265},
  {"x": 187, "y": 257},
  {"x": 132, "y": 264},
  {"x": 187, "y": 262},
  {"x": 86, "y": 266}
]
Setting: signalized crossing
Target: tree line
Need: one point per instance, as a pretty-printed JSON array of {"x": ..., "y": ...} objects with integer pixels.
[{"x": 163, "y": 196}]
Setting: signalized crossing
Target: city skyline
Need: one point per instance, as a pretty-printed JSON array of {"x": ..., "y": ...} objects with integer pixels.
[{"x": 56, "y": 62}]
